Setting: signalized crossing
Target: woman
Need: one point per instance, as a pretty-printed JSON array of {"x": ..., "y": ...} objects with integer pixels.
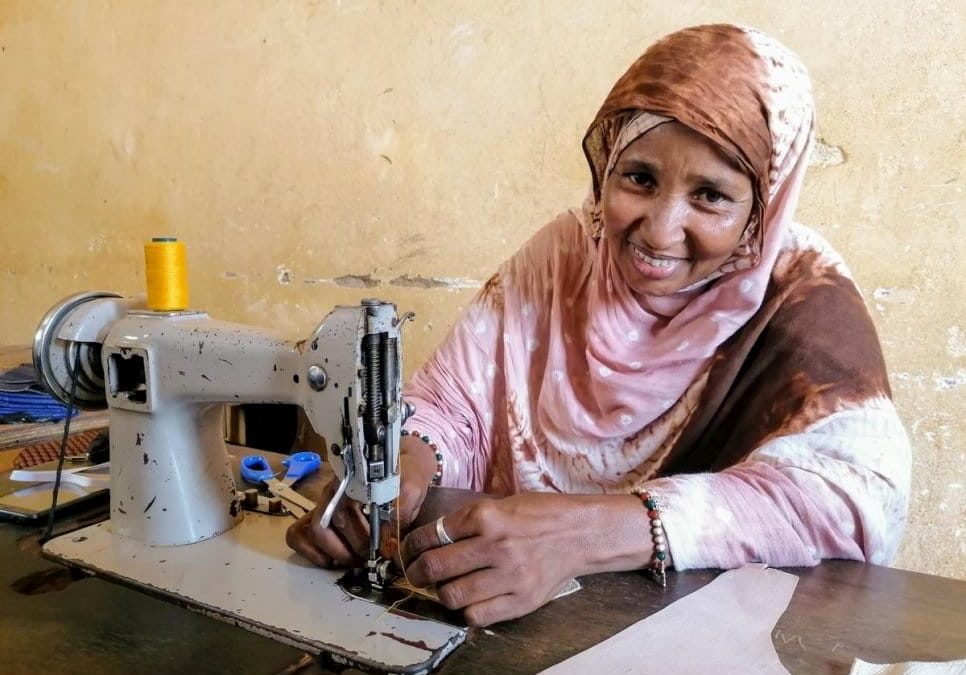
[{"x": 678, "y": 342}]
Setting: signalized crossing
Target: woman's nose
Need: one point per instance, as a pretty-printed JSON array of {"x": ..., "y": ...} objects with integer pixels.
[{"x": 663, "y": 223}]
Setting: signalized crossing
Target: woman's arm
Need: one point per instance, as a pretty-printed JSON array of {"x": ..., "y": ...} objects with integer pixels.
[
  {"x": 839, "y": 489},
  {"x": 455, "y": 390},
  {"x": 460, "y": 391}
]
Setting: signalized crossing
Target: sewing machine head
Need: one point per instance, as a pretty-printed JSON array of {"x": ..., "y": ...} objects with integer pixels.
[{"x": 165, "y": 377}]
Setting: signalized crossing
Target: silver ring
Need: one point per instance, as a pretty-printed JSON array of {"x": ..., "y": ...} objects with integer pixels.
[{"x": 444, "y": 539}]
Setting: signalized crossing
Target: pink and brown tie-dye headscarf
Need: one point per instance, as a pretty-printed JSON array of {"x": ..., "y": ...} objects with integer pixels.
[{"x": 752, "y": 97}]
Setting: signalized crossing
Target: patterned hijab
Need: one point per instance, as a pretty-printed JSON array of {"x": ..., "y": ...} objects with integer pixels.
[{"x": 752, "y": 97}]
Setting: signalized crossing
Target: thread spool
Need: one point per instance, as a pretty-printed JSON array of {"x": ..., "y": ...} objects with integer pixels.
[{"x": 166, "y": 271}]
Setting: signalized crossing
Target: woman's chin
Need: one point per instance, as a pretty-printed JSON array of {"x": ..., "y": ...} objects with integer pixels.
[
  {"x": 655, "y": 289},
  {"x": 641, "y": 284}
]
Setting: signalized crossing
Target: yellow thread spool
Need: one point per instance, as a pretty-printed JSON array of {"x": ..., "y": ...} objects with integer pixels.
[{"x": 166, "y": 270}]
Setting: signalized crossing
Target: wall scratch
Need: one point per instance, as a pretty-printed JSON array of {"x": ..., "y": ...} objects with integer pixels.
[
  {"x": 417, "y": 281},
  {"x": 356, "y": 281},
  {"x": 404, "y": 281}
]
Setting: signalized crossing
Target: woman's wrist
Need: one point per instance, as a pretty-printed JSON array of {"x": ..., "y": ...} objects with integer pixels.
[
  {"x": 422, "y": 455},
  {"x": 612, "y": 534}
]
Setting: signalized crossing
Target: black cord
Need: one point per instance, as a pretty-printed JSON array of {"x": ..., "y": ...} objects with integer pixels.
[{"x": 63, "y": 446}]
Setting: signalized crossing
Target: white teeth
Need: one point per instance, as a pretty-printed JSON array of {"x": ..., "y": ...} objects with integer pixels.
[{"x": 656, "y": 262}]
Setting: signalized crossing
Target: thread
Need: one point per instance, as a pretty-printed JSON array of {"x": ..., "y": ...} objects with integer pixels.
[
  {"x": 410, "y": 594},
  {"x": 399, "y": 545},
  {"x": 166, "y": 271}
]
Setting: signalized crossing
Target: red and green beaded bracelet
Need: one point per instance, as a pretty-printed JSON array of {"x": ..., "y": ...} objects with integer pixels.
[
  {"x": 657, "y": 567},
  {"x": 438, "y": 476}
]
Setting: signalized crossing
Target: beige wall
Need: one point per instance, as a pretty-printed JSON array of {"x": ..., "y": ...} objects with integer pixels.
[{"x": 293, "y": 144}]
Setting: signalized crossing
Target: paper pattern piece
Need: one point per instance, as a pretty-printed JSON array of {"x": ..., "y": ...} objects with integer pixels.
[
  {"x": 912, "y": 668},
  {"x": 725, "y": 627}
]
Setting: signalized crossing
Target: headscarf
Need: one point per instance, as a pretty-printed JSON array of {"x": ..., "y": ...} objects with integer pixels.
[{"x": 752, "y": 97}]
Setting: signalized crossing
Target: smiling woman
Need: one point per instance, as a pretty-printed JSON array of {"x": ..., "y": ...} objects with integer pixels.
[
  {"x": 674, "y": 207},
  {"x": 673, "y": 374}
]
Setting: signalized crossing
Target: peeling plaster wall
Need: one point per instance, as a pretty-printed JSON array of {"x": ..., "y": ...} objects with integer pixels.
[{"x": 314, "y": 152}]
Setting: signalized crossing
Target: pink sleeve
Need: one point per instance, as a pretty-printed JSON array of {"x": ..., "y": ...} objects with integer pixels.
[
  {"x": 459, "y": 389},
  {"x": 839, "y": 490},
  {"x": 454, "y": 393}
]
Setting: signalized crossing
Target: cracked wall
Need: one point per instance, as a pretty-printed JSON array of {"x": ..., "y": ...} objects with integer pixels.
[{"x": 315, "y": 153}]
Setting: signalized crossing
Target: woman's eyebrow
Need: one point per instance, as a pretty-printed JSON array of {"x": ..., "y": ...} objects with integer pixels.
[
  {"x": 637, "y": 166},
  {"x": 716, "y": 183},
  {"x": 708, "y": 181}
]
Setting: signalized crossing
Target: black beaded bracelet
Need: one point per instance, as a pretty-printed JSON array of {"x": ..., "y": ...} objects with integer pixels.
[
  {"x": 438, "y": 476},
  {"x": 657, "y": 568}
]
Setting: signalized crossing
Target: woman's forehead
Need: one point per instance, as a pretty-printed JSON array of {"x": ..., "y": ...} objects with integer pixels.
[{"x": 674, "y": 137}]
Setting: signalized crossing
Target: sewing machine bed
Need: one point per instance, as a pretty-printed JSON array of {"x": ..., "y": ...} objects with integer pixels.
[{"x": 248, "y": 577}]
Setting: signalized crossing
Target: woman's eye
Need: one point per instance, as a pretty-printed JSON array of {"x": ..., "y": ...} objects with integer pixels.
[
  {"x": 711, "y": 196},
  {"x": 643, "y": 179}
]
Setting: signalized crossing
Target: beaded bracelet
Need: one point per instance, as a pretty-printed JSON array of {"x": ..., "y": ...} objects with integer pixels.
[
  {"x": 657, "y": 567},
  {"x": 438, "y": 476}
]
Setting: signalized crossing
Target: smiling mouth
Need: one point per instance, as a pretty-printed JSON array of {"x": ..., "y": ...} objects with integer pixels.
[{"x": 659, "y": 261}]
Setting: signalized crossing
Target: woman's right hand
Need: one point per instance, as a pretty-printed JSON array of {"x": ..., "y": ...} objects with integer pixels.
[{"x": 345, "y": 543}]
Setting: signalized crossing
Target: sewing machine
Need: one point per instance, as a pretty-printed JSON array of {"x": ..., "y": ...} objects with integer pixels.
[{"x": 165, "y": 377}]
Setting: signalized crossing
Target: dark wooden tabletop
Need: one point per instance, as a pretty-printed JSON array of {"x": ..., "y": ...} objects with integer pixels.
[{"x": 52, "y": 622}]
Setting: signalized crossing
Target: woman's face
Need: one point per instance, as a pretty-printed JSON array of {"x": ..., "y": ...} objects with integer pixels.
[{"x": 674, "y": 209}]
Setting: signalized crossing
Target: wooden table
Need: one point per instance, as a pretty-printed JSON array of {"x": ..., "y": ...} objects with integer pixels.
[{"x": 840, "y": 611}]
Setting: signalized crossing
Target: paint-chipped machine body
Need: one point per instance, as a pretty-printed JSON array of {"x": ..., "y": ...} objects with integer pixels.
[{"x": 166, "y": 376}]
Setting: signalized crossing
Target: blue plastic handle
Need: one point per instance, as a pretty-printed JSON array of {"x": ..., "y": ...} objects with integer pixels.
[
  {"x": 255, "y": 470},
  {"x": 301, "y": 464}
]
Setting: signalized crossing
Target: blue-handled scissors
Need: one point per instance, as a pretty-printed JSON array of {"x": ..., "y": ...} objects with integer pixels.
[{"x": 256, "y": 470}]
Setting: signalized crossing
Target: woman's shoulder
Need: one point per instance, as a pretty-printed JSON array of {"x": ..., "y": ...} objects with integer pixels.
[
  {"x": 563, "y": 233},
  {"x": 806, "y": 253},
  {"x": 813, "y": 299},
  {"x": 559, "y": 243}
]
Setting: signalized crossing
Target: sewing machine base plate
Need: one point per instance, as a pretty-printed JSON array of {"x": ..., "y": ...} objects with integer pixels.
[{"x": 248, "y": 577}]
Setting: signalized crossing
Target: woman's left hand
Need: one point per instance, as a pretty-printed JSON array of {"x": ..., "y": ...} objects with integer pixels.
[{"x": 512, "y": 555}]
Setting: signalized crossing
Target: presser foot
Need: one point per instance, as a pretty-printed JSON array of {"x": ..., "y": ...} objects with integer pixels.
[
  {"x": 401, "y": 601},
  {"x": 380, "y": 573},
  {"x": 356, "y": 583},
  {"x": 370, "y": 581}
]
